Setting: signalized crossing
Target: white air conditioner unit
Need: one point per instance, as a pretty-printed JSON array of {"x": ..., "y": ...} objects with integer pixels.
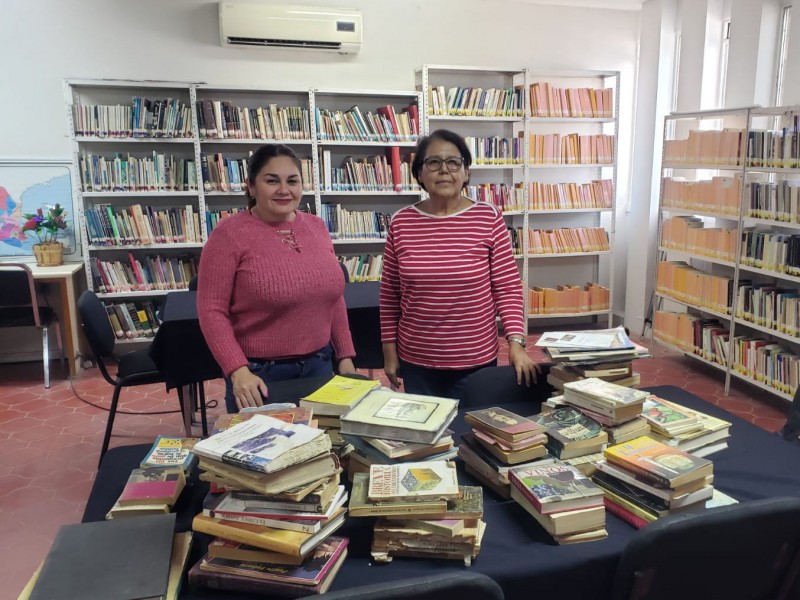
[{"x": 332, "y": 29}]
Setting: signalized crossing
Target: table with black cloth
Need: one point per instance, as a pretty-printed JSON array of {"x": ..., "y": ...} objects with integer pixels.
[{"x": 516, "y": 551}]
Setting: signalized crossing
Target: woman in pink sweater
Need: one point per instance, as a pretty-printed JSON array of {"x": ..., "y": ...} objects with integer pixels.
[{"x": 270, "y": 290}]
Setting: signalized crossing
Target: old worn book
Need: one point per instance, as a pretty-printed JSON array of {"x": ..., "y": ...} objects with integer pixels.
[
  {"x": 442, "y": 527},
  {"x": 605, "y": 398},
  {"x": 434, "y": 479},
  {"x": 627, "y": 431},
  {"x": 563, "y": 523},
  {"x": 398, "y": 541},
  {"x": 311, "y": 471},
  {"x": 317, "y": 492},
  {"x": 393, "y": 415},
  {"x": 126, "y": 559},
  {"x": 648, "y": 485},
  {"x": 269, "y": 587},
  {"x": 651, "y": 502},
  {"x": 169, "y": 451},
  {"x": 503, "y": 424},
  {"x": 512, "y": 457},
  {"x": 282, "y": 412},
  {"x": 468, "y": 507},
  {"x": 556, "y": 488},
  {"x": 293, "y": 524},
  {"x": 317, "y": 500},
  {"x": 222, "y": 548},
  {"x": 264, "y": 444},
  {"x": 153, "y": 486},
  {"x": 408, "y": 450},
  {"x": 181, "y": 544},
  {"x": 571, "y": 433},
  {"x": 135, "y": 510},
  {"x": 338, "y": 395},
  {"x": 663, "y": 465},
  {"x": 667, "y": 418},
  {"x": 362, "y": 506},
  {"x": 295, "y": 543},
  {"x": 479, "y": 458},
  {"x": 225, "y": 505},
  {"x": 711, "y": 431}
]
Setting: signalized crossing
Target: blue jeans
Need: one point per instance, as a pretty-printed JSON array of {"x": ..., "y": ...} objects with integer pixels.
[
  {"x": 315, "y": 364},
  {"x": 446, "y": 383}
]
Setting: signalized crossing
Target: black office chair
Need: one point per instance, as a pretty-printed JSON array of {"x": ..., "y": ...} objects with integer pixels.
[
  {"x": 460, "y": 584},
  {"x": 19, "y": 307},
  {"x": 738, "y": 552},
  {"x": 133, "y": 368},
  {"x": 498, "y": 385}
]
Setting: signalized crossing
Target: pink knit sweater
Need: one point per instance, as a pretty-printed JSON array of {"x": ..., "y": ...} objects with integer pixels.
[{"x": 259, "y": 298}]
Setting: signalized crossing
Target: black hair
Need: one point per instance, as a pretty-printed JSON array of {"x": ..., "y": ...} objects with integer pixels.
[
  {"x": 444, "y": 135},
  {"x": 261, "y": 157}
]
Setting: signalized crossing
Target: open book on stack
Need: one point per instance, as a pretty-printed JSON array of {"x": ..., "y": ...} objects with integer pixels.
[{"x": 276, "y": 491}]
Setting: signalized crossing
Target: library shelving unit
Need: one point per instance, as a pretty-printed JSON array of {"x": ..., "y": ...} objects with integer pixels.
[
  {"x": 726, "y": 290},
  {"x": 159, "y": 163},
  {"x": 535, "y": 189}
]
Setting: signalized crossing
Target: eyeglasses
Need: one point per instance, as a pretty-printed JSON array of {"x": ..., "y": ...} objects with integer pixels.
[{"x": 435, "y": 164}]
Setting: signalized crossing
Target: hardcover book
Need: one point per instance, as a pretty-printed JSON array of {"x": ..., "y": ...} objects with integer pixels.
[
  {"x": 264, "y": 444},
  {"x": 153, "y": 485},
  {"x": 169, "y": 451},
  {"x": 434, "y": 479},
  {"x": 556, "y": 488},
  {"x": 338, "y": 395},
  {"x": 397, "y": 416},
  {"x": 503, "y": 424},
  {"x": 665, "y": 466}
]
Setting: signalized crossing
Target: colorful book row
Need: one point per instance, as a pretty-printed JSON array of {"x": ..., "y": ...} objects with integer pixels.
[
  {"x": 137, "y": 224},
  {"x": 688, "y": 234},
  {"x": 224, "y": 174},
  {"x": 566, "y": 299},
  {"x": 126, "y": 173},
  {"x": 571, "y": 149},
  {"x": 373, "y": 174},
  {"x": 145, "y": 118},
  {"x": 133, "y": 320},
  {"x": 466, "y": 101},
  {"x": 364, "y": 267},
  {"x": 771, "y": 251},
  {"x": 354, "y": 224},
  {"x": 213, "y": 217},
  {"x": 565, "y": 240},
  {"x": 385, "y": 125},
  {"x": 706, "y": 147},
  {"x": 565, "y": 196},
  {"x": 778, "y": 149},
  {"x": 720, "y": 195},
  {"x": 707, "y": 338},
  {"x": 550, "y": 101},
  {"x": 496, "y": 150},
  {"x": 769, "y": 306},
  {"x": 778, "y": 201},
  {"x": 143, "y": 274},
  {"x": 686, "y": 284},
  {"x": 220, "y": 119},
  {"x": 503, "y": 196}
]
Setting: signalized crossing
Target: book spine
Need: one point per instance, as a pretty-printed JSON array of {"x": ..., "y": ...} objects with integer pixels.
[
  {"x": 624, "y": 514},
  {"x": 303, "y": 527},
  {"x": 658, "y": 480},
  {"x": 230, "y": 531}
]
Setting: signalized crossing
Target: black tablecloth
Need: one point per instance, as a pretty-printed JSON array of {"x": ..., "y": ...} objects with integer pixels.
[{"x": 516, "y": 551}]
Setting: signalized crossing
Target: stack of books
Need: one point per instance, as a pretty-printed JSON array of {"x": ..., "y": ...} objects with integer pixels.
[
  {"x": 375, "y": 451},
  {"x": 645, "y": 479},
  {"x": 499, "y": 441},
  {"x": 334, "y": 399},
  {"x": 571, "y": 433},
  {"x": 605, "y": 354},
  {"x": 275, "y": 504},
  {"x": 688, "y": 430},
  {"x": 562, "y": 500},
  {"x": 425, "y": 513},
  {"x": 636, "y": 427},
  {"x": 608, "y": 403},
  {"x": 149, "y": 491}
]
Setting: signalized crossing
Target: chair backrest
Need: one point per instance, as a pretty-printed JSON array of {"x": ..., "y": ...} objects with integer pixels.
[
  {"x": 498, "y": 385},
  {"x": 738, "y": 552},
  {"x": 96, "y": 326},
  {"x": 365, "y": 328},
  {"x": 459, "y": 584},
  {"x": 17, "y": 288}
]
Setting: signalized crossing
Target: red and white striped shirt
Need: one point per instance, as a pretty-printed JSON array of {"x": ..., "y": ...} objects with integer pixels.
[{"x": 444, "y": 281}]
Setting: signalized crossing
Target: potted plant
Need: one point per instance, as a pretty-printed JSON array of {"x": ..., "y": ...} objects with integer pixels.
[{"x": 49, "y": 251}]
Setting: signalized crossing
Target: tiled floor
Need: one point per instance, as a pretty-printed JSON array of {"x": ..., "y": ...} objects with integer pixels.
[{"x": 50, "y": 441}]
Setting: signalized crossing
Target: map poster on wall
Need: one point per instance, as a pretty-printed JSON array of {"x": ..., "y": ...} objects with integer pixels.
[{"x": 26, "y": 186}]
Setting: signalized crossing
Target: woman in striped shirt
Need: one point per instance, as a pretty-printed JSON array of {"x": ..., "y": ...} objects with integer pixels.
[{"x": 448, "y": 271}]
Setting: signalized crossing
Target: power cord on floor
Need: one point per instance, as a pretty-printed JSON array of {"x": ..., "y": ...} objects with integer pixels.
[{"x": 209, "y": 404}]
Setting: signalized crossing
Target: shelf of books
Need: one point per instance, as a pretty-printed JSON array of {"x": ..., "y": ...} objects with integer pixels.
[
  {"x": 726, "y": 281},
  {"x": 544, "y": 147}
]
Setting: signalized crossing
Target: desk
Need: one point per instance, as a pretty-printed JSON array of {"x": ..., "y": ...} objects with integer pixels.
[
  {"x": 516, "y": 552},
  {"x": 64, "y": 277}
]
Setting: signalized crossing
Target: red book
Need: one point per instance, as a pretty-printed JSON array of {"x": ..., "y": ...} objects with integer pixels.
[{"x": 153, "y": 485}]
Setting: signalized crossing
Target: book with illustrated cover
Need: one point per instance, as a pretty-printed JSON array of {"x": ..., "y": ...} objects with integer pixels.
[
  {"x": 169, "y": 451},
  {"x": 571, "y": 433},
  {"x": 468, "y": 507},
  {"x": 512, "y": 457},
  {"x": 668, "y": 418},
  {"x": 264, "y": 444},
  {"x": 362, "y": 506},
  {"x": 316, "y": 500},
  {"x": 503, "y": 424},
  {"x": 408, "y": 450},
  {"x": 556, "y": 488},
  {"x": 288, "y": 413},
  {"x": 393, "y": 415},
  {"x": 605, "y": 392},
  {"x": 338, "y": 395},
  {"x": 665, "y": 466},
  {"x": 153, "y": 485},
  {"x": 434, "y": 479},
  {"x": 605, "y": 339}
]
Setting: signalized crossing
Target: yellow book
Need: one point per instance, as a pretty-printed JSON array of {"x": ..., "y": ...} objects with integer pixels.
[{"x": 338, "y": 395}]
